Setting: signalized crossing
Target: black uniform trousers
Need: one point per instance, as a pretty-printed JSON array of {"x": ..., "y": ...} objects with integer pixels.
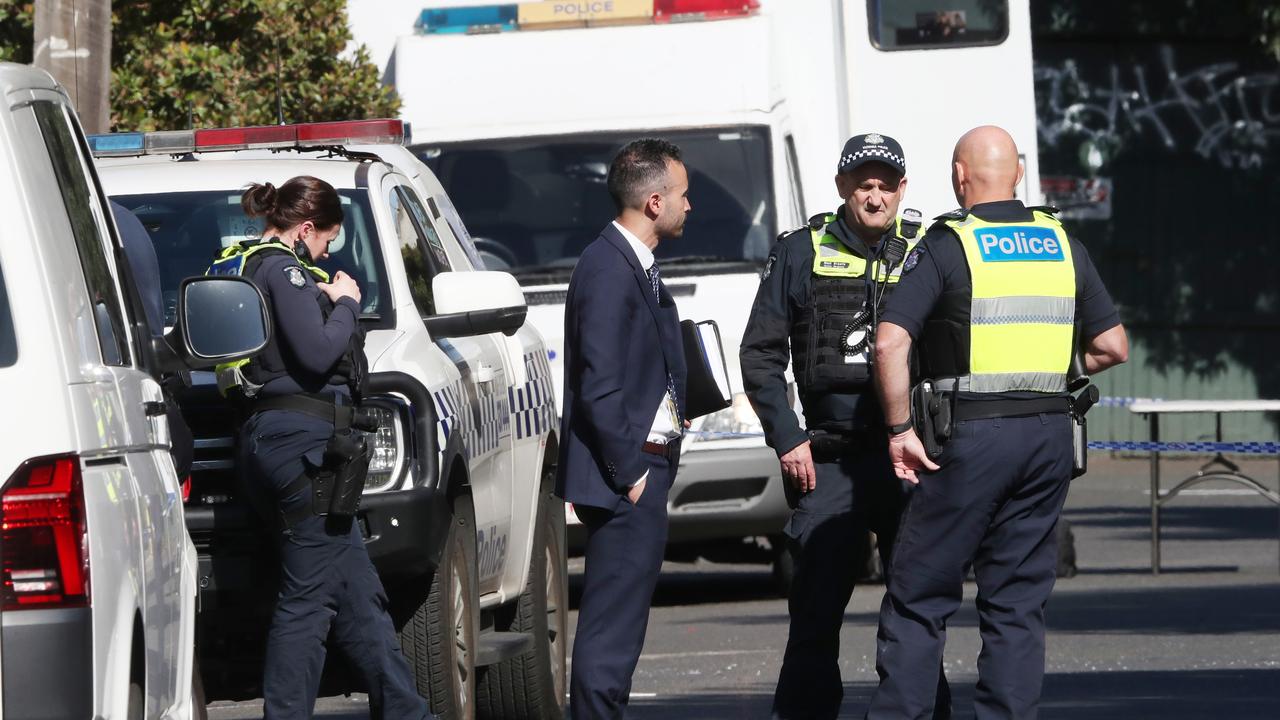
[
  {"x": 624, "y": 554},
  {"x": 827, "y": 535},
  {"x": 993, "y": 505},
  {"x": 327, "y": 582}
]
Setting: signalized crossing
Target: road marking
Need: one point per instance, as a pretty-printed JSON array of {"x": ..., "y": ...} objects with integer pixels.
[
  {"x": 1209, "y": 492},
  {"x": 705, "y": 653}
]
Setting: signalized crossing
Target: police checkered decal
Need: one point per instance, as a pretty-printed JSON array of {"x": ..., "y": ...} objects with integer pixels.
[
  {"x": 533, "y": 404},
  {"x": 449, "y": 408},
  {"x": 493, "y": 424},
  {"x": 482, "y": 427},
  {"x": 876, "y": 152}
]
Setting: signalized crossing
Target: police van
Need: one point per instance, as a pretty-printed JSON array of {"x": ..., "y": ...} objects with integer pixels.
[
  {"x": 99, "y": 594},
  {"x": 457, "y": 510},
  {"x": 523, "y": 140}
]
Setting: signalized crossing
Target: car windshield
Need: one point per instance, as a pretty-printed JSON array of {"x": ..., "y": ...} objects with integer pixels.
[
  {"x": 190, "y": 229},
  {"x": 8, "y": 340},
  {"x": 533, "y": 204}
]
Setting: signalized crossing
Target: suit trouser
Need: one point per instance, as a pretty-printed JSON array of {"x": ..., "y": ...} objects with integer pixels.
[
  {"x": 993, "y": 505},
  {"x": 624, "y": 554},
  {"x": 827, "y": 537},
  {"x": 327, "y": 583}
]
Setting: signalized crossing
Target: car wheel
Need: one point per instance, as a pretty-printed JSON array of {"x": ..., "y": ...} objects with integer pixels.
[
  {"x": 439, "y": 640},
  {"x": 533, "y": 686}
]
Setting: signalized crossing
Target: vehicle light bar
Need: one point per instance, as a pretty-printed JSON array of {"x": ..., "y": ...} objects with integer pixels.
[
  {"x": 262, "y": 137},
  {"x": 354, "y": 132},
  {"x": 552, "y": 14},
  {"x": 116, "y": 144},
  {"x": 685, "y": 10},
  {"x": 470, "y": 20}
]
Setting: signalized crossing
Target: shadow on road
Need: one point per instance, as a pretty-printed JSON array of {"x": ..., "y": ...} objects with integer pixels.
[
  {"x": 1186, "y": 522},
  {"x": 1173, "y": 695},
  {"x": 1210, "y": 610}
]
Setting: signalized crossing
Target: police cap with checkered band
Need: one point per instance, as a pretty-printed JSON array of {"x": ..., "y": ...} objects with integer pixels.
[{"x": 872, "y": 147}]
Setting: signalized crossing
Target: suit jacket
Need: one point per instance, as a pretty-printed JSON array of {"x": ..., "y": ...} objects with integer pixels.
[{"x": 620, "y": 344}]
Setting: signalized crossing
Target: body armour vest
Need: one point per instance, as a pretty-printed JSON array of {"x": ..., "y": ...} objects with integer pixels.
[
  {"x": 1014, "y": 330},
  {"x": 245, "y": 377},
  {"x": 831, "y": 346}
]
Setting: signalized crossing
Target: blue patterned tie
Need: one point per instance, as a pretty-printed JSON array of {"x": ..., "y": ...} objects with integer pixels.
[{"x": 656, "y": 281}]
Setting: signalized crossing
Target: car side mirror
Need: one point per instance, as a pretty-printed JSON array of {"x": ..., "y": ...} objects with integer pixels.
[
  {"x": 220, "y": 319},
  {"x": 476, "y": 303}
]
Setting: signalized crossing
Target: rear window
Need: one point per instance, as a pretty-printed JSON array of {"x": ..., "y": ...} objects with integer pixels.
[
  {"x": 190, "y": 229},
  {"x": 923, "y": 24},
  {"x": 8, "y": 340}
]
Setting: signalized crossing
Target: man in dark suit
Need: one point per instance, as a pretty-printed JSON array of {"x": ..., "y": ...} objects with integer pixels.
[{"x": 623, "y": 391}]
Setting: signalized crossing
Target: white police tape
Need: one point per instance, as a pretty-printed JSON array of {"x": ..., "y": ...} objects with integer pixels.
[
  {"x": 1120, "y": 401},
  {"x": 1244, "y": 448}
]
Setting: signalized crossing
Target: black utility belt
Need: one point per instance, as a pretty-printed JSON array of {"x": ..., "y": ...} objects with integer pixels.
[
  {"x": 988, "y": 409},
  {"x": 330, "y": 407}
]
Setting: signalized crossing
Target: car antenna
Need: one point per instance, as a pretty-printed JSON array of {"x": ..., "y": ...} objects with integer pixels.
[{"x": 279, "y": 100}]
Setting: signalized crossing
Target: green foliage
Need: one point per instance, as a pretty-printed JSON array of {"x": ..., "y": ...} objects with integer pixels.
[
  {"x": 1256, "y": 21},
  {"x": 205, "y": 63},
  {"x": 15, "y": 31}
]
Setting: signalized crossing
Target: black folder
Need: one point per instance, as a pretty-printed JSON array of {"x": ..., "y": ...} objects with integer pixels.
[{"x": 708, "y": 389}]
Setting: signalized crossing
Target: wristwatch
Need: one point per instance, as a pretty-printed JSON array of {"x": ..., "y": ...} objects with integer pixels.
[{"x": 900, "y": 427}]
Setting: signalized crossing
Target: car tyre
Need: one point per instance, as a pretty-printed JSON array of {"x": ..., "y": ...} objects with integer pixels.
[
  {"x": 439, "y": 639},
  {"x": 533, "y": 686}
]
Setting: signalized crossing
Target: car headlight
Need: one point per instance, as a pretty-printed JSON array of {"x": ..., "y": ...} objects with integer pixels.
[
  {"x": 737, "y": 419},
  {"x": 386, "y": 449}
]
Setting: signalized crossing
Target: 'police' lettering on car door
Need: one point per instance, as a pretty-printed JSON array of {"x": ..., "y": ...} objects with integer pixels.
[{"x": 1019, "y": 243}]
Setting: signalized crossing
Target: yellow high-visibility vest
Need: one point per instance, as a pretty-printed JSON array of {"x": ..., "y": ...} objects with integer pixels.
[{"x": 1022, "y": 316}]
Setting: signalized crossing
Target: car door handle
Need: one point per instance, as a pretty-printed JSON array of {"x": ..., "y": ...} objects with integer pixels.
[
  {"x": 484, "y": 373},
  {"x": 155, "y": 408}
]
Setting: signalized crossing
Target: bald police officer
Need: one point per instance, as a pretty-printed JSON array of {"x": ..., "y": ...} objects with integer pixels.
[
  {"x": 991, "y": 296},
  {"x": 818, "y": 295}
]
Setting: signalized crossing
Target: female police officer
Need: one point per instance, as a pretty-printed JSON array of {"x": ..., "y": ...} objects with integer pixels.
[{"x": 301, "y": 386}]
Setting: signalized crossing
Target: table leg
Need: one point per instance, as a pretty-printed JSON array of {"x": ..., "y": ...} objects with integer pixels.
[{"x": 1155, "y": 496}]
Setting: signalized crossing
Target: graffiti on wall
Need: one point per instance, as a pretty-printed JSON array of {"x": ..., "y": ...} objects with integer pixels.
[{"x": 1218, "y": 111}]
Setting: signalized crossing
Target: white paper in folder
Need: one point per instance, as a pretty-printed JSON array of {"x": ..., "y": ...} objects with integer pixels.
[{"x": 709, "y": 336}]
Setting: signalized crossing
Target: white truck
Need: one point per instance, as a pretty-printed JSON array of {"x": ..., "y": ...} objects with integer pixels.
[
  {"x": 523, "y": 139},
  {"x": 761, "y": 95},
  {"x": 99, "y": 592},
  {"x": 457, "y": 511}
]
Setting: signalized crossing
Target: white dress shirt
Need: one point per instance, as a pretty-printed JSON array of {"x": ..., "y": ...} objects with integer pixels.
[{"x": 665, "y": 427}]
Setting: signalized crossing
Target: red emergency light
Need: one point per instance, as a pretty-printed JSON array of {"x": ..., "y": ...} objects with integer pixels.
[
  {"x": 680, "y": 10},
  {"x": 261, "y": 137}
]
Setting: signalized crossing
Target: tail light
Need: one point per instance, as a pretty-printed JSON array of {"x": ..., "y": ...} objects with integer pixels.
[{"x": 46, "y": 545}]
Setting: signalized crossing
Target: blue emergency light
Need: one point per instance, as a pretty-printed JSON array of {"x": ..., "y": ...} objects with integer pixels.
[
  {"x": 116, "y": 144},
  {"x": 479, "y": 19}
]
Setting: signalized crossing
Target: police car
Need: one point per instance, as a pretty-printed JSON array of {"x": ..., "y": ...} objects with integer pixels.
[
  {"x": 99, "y": 574},
  {"x": 457, "y": 511}
]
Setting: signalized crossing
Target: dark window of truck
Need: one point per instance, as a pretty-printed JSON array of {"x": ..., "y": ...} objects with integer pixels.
[
  {"x": 77, "y": 199},
  {"x": 533, "y": 204},
  {"x": 420, "y": 248},
  {"x": 8, "y": 339},
  {"x": 937, "y": 24},
  {"x": 190, "y": 229}
]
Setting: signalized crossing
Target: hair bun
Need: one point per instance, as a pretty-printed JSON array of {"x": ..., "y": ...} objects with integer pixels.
[{"x": 259, "y": 199}]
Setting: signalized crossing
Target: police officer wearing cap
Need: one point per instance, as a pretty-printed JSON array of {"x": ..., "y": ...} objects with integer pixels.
[
  {"x": 816, "y": 308},
  {"x": 299, "y": 394},
  {"x": 991, "y": 298}
]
